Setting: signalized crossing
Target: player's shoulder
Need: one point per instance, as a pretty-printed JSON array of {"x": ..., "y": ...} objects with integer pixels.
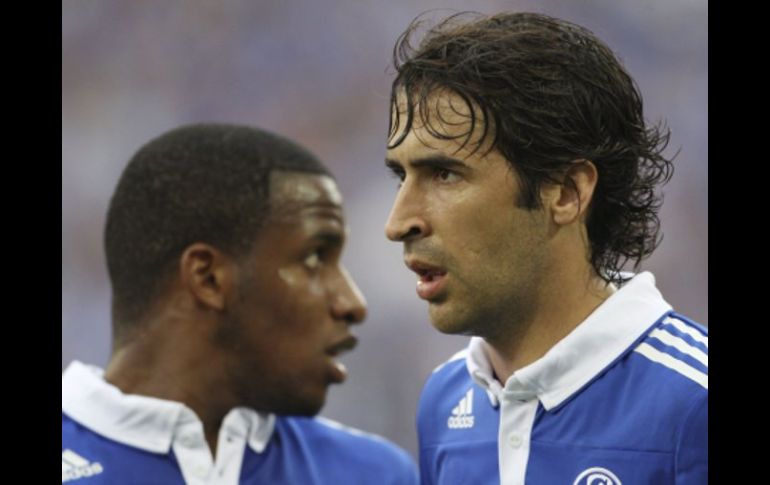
[
  {"x": 354, "y": 447},
  {"x": 334, "y": 431},
  {"x": 88, "y": 454},
  {"x": 447, "y": 383},
  {"x": 456, "y": 360},
  {"x": 450, "y": 374},
  {"x": 675, "y": 352},
  {"x": 74, "y": 433}
]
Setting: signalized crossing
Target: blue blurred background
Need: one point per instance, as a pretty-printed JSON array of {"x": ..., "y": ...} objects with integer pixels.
[{"x": 318, "y": 72}]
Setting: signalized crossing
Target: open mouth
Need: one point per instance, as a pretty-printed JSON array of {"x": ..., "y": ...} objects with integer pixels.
[
  {"x": 337, "y": 370},
  {"x": 429, "y": 275},
  {"x": 345, "y": 345},
  {"x": 431, "y": 279}
]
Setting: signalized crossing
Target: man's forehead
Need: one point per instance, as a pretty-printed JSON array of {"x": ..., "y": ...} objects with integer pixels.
[
  {"x": 446, "y": 113},
  {"x": 442, "y": 103},
  {"x": 292, "y": 192}
]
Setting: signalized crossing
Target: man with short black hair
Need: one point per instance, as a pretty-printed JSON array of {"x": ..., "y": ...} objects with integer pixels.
[
  {"x": 230, "y": 308},
  {"x": 528, "y": 179}
]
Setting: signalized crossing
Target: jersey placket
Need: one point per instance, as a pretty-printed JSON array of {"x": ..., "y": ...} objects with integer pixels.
[
  {"x": 518, "y": 406},
  {"x": 193, "y": 453}
]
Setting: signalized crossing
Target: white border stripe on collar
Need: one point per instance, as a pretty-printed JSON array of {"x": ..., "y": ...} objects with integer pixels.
[
  {"x": 681, "y": 345},
  {"x": 684, "y": 328},
  {"x": 656, "y": 355}
]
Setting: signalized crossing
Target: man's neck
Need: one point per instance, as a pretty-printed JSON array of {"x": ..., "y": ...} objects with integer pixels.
[
  {"x": 180, "y": 374},
  {"x": 526, "y": 342}
]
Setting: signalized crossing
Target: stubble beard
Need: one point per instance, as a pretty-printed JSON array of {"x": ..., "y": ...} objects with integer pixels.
[{"x": 485, "y": 314}]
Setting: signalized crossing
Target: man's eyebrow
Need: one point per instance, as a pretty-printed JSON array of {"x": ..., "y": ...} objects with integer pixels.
[{"x": 432, "y": 161}]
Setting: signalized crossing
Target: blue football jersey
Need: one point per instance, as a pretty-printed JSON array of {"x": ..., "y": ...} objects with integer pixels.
[
  {"x": 112, "y": 438},
  {"x": 623, "y": 400}
]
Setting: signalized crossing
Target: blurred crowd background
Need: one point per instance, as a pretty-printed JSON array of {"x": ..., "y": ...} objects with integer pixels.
[{"x": 319, "y": 72}]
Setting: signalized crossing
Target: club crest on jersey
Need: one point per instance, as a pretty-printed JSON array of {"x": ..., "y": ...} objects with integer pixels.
[{"x": 597, "y": 476}]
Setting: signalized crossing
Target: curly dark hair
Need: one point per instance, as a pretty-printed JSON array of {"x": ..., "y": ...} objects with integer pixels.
[
  {"x": 549, "y": 93},
  {"x": 205, "y": 183}
]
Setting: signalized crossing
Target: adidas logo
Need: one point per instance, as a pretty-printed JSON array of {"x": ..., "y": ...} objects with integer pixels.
[
  {"x": 74, "y": 466},
  {"x": 462, "y": 414}
]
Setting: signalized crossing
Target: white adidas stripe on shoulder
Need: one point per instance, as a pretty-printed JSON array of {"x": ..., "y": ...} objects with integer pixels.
[
  {"x": 457, "y": 356},
  {"x": 673, "y": 363},
  {"x": 686, "y": 329},
  {"x": 681, "y": 345}
]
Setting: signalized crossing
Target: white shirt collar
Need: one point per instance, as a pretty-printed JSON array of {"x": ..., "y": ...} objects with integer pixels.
[
  {"x": 580, "y": 356},
  {"x": 145, "y": 422}
]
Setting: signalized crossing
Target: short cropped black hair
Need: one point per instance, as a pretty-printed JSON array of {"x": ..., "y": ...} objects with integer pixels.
[
  {"x": 548, "y": 93},
  {"x": 198, "y": 183}
]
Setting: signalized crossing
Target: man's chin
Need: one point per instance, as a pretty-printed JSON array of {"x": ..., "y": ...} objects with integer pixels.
[
  {"x": 291, "y": 404},
  {"x": 303, "y": 406},
  {"x": 445, "y": 320},
  {"x": 451, "y": 328}
]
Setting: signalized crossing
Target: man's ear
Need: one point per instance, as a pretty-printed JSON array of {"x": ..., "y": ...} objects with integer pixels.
[
  {"x": 569, "y": 201},
  {"x": 208, "y": 274}
]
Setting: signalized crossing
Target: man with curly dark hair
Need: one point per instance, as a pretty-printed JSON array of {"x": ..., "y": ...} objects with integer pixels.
[{"x": 528, "y": 180}]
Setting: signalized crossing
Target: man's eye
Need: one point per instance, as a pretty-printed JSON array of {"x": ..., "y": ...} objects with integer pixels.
[
  {"x": 445, "y": 175},
  {"x": 399, "y": 174},
  {"x": 313, "y": 260}
]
